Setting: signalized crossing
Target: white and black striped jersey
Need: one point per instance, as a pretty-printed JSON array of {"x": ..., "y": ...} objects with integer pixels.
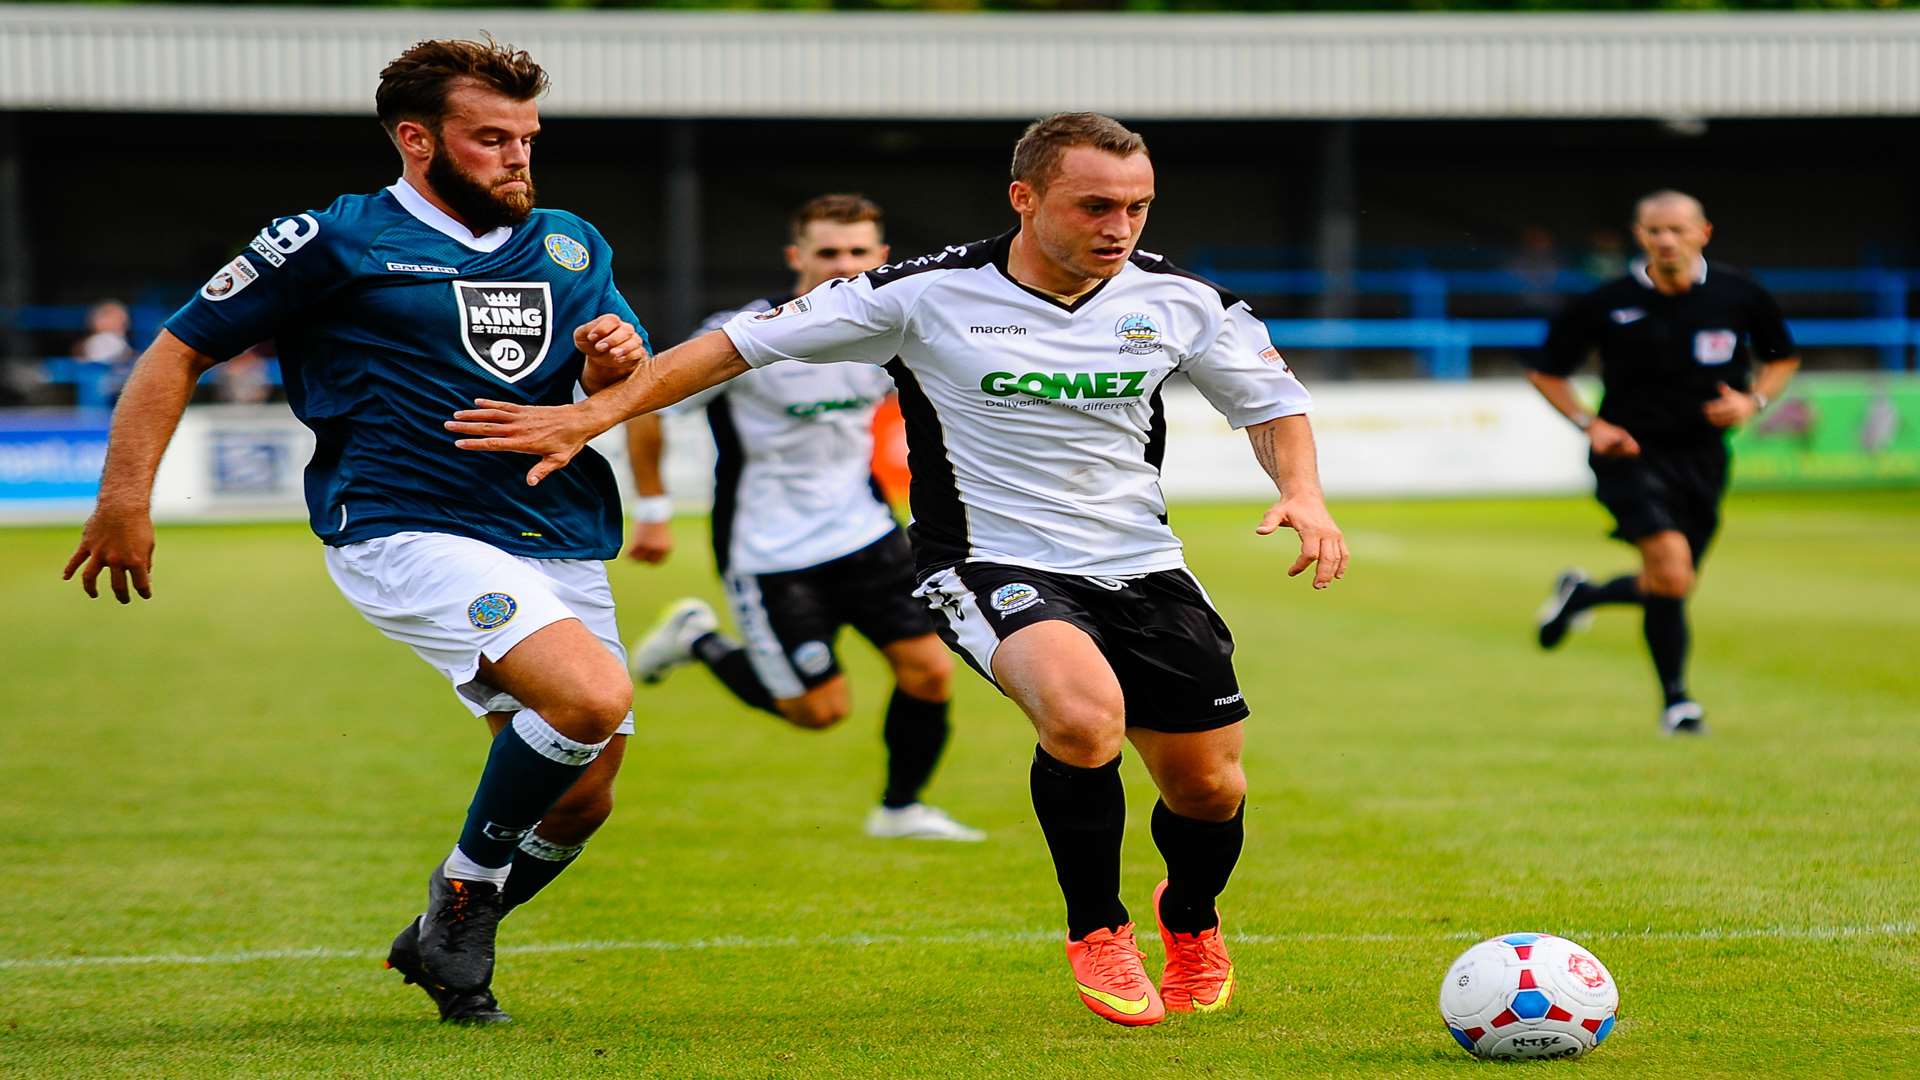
[
  {"x": 1034, "y": 427},
  {"x": 793, "y": 465}
]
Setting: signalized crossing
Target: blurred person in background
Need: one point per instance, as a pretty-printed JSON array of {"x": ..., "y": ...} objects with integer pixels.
[
  {"x": 107, "y": 345},
  {"x": 1677, "y": 343},
  {"x": 803, "y": 540}
]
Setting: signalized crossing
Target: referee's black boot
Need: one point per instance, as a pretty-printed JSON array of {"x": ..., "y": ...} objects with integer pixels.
[
  {"x": 455, "y": 1008},
  {"x": 1558, "y": 615},
  {"x": 1683, "y": 718}
]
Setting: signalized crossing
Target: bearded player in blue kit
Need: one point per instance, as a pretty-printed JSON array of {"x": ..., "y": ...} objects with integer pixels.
[{"x": 391, "y": 310}]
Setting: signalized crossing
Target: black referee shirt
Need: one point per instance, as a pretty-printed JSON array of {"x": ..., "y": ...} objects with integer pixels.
[{"x": 1663, "y": 357}]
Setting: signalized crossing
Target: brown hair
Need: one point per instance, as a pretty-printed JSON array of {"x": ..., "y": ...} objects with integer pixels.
[
  {"x": 845, "y": 209},
  {"x": 415, "y": 85},
  {"x": 1036, "y": 157}
]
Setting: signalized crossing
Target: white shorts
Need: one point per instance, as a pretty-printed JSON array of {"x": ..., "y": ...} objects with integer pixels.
[{"x": 454, "y": 600}]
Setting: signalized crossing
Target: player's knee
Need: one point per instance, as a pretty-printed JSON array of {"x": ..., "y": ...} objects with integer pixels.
[
  {"x": 1086, "y": 734},
  {"x": 1209, "y": 794},
  {"x": 929, "y": 680},
  {"x": 813, "y": 711},
  {"x": 1670, "y": 579},
  {"x": 593, "y": 711}
]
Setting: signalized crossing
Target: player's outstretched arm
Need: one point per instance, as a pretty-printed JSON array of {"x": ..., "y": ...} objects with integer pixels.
[
  {"x": 554, "y": 433},
  {"x": 118, "y": 536},
  {"x": 1284, "y": 448}
]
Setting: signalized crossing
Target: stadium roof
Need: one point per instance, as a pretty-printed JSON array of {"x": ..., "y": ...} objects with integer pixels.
[{"x": 829, "y": 65}]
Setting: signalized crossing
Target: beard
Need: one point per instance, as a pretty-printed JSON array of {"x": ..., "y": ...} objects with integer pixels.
[{"x": 483, "y": 207}]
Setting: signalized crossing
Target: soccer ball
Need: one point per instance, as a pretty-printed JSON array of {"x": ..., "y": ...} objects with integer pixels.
[{"x": 1528, "y": 996}]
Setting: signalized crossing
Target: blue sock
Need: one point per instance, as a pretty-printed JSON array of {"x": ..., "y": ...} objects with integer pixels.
[{"x": 529, "y": 767}]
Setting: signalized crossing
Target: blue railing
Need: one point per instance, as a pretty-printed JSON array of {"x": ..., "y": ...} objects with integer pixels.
[{"x": 1444, "y": 343}]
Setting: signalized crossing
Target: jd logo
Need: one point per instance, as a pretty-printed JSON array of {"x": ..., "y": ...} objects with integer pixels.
[
  {"x": 506, "y": 326},
  {"x": 1056, "y": 385}
]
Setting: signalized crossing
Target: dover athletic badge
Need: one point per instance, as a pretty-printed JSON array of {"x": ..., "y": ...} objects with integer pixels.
[{"x": 506, "y": 326}]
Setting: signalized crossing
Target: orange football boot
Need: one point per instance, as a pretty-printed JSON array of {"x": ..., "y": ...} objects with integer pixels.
[
  {"x": 1198, "y": 976},
  {"x": 1112, "y": 981}
]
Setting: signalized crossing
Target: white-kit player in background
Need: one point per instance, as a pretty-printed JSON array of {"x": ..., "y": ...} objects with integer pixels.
[
  {"x": 804, "y": 541},
  {"x": 1029, "y": 369}
]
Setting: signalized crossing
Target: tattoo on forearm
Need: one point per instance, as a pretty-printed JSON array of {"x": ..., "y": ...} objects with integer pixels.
[{"x": 1263, "y": 449}]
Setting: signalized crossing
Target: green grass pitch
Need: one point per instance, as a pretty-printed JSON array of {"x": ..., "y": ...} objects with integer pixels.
[{"x": 220, "y": 805}]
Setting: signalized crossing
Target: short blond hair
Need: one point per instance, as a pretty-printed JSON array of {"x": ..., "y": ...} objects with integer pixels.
[{"x": 1036, "y": 157}]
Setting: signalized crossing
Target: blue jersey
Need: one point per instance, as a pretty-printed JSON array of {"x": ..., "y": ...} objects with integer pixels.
[{"x": 389, "y": 316}]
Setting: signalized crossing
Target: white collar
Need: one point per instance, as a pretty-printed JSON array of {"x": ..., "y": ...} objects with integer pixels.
[
  {"x": 440, "y": 221},
  {"x": 1640, "y": 275}
]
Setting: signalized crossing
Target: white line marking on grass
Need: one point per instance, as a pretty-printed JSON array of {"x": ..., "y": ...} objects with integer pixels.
[{"x": 979, "y": 937}]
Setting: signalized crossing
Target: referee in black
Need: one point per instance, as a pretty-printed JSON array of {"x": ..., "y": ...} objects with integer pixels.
[{"x": 1677, "y": 345}]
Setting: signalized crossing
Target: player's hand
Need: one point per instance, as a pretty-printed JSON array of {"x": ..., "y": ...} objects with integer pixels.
[
  {"x": 1612, "y": 440},
  {"x": 120, "y": 542},
  {"x": 1731, "y": 408},
  {"x": 1320, "y": 539},
  {"x": 610, "y": 337},
  {"x": 652, "y": 542},
  {"x": 553, "y": 433}
]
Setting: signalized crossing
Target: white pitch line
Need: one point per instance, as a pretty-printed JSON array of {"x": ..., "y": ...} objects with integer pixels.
[{"x": 979, "y": 937}]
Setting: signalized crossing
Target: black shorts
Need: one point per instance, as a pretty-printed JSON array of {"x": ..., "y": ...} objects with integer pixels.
[
  {"x": 790, "y": 619},
  {"x": 1673, "y": 487},
  {"x": 1170, "y": 650}
]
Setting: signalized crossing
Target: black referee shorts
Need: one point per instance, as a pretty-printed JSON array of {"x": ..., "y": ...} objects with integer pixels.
[
  {"x": 1170, "y": 650},
  {"x": 790, "y": 619},
  {"x": 1670, "y": 486}
]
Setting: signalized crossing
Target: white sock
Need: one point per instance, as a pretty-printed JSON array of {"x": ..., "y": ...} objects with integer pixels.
[{"x": 464, "y": 869}]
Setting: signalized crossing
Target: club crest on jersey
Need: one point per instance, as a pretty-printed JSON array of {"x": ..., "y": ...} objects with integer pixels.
[
  {"x": 1137, "y": 333},
  {"x": 567, "y": 251},
  {"x": 490, "y": 611},
  {"x": 1018, "y": 596},
  {"x": 506, "y": 326}
]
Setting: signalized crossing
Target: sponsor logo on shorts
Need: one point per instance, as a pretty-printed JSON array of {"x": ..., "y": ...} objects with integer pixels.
[
  {"x": 229, "y": 279},
  {"x": 1018, "y": 596},
  {"x": 506, "y": 326},
  {"x": 791, "y": 307},
  {"x": 1137, "y": 333},
  {"x": 420, "y": 268},
  {"x": 1715, "y": 346},
  {"x": 568, "y": 252},
  {"x": 491, "y": 611},
  {"x": 1228, "y": 700},
  {"x": 813, "y": 658}
]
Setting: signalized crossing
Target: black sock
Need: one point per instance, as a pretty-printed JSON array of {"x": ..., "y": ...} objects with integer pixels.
[
  {"x": 538, "y": 863},
  {"x": 1200, "y": 857},
  {"x": 1624, "y": 589},
  {"x": 729, "y": 663},
  {"x": 1667, "y": 639},
  {"x": 915, "y": 733},
  {"x": 1083, "y": 813},
  {"x": 529, "y": 767}
]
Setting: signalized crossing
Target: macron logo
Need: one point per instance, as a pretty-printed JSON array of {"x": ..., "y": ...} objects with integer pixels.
[
  {"x": 1219, "y": 701},
  {"x": 996, "y": 329}
]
